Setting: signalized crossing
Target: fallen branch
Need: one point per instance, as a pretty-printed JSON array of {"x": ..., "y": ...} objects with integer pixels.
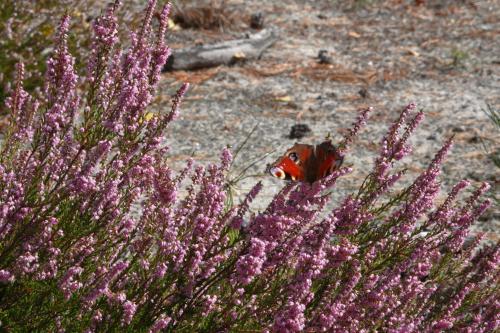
[{"x": 224, "y": 53}]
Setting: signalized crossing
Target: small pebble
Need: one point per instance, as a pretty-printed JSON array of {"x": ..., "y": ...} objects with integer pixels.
[
  {"x": 257, "y": 21},
  {"x": 324, "y": 58},
  {"x": 363, "y": 92},
  {"x": 298, "y": 131}
]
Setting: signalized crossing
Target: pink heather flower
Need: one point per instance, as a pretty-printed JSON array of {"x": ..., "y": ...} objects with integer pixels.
[
  {"x": 127, "y": 226},
  {"x": 146, "y": 23},
  {"x": 183, "y": 174},
  {"x": 330, "y": 181},
  {"x": 293, "y": 320},
  {"x": 278, "y": 203},
  {"x": 337, "y": 254},
  {"x": 349, "y": 216},
  {"x": 442, "y": 325},
  {"x": 28, "y": 262},
  {"x": 61, "y": 79},
  {"x": 63, "y": 28},
  {"x": 243, "y": 207},
  {"x": 161, "y": 52},
  {"x": 160, "y": 324},
  {"x": 271, "y": 228},
  {"x": 97, "y": 209},
  {"x": 236, "y": 222},
  {"x": 165, "y": 12},
  {"x": 103, "y": 286},
  {"x": 58, "y": 323},
  {"x": 6, "y": 276},
  {"x": 353, "y": 132},
  {"x": 116, "y": 298},
  {"x": 176, "y": 102},
  {"x": 117, "y": 269},
  {"x": 166, "y": 187},
  {"x": 83, "y": 184},
  {"x": 226, "y": 159},
  {"x": 437, "y": 161},
  {"x": 394, "y": 147},
  {"x": 482, "y": 207},
  {"x": 444, "y": 212},
  {"x": 129, "y": 309},
  {"x": 402, "y": 149},
  {"x": 249, "y": 266},
  {"x": 98, "y": 291},
  {"x": 384, "y": 185},
  {"x": 97, "y": 317},
  {"x": 332, "y": 311},
  {"x": 476, "y": 195},
  {"x": 17, "y": 102},
  {"x": 68, "y": 283},
  {"x": 105, "y": 28},
  {"x": 209, "y": 304},
  {"x": 393, "y": 133},
  {"x": 456, "y": 302},
  {"x": 310, "y": 264},
  {"x": 422, "y": 193},
  {"x": 161, "y": 270}
]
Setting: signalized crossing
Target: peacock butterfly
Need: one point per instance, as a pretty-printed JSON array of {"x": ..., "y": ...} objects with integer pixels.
[{"x": 307, "y": 163}]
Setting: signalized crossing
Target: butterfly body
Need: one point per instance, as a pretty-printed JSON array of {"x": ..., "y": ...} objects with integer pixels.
[{"x": 307, "y": 163}]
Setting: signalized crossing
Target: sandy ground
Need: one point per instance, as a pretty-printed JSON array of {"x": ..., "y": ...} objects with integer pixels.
[{"x": 445, "y": 56}]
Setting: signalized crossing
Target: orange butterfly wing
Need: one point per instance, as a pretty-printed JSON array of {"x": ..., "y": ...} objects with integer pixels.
[
  {"x": 327, "y": 159},
  {"x": 291, "y": 168},
  {"x": 307, "y": 163}
]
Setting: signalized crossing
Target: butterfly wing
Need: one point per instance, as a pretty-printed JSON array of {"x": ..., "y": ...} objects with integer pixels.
[
  {"x": 292, "y": 165},
  {"x": 324, "y": 161},
  {"x": 307, "y": 163}
]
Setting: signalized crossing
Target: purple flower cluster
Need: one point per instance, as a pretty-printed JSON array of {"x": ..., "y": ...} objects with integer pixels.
[{"x": 98, "y": 233}]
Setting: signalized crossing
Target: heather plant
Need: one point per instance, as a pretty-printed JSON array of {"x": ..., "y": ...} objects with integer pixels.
[
  {"x": 27, "y": 29},
  {"x": 98, "y": 233}
]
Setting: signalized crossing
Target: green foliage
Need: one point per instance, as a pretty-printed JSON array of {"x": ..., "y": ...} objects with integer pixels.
[
  {"x": 27, "y": 31},
  {"x": 459, "y": 57}
]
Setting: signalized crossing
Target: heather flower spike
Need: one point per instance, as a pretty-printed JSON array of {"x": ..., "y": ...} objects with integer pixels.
[
  {"x": 98, "y": 233},
  {"x": 354, "y": 131}
]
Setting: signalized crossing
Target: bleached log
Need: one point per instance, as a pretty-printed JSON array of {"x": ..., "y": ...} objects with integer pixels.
[{"x": 224, "y": 53}]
